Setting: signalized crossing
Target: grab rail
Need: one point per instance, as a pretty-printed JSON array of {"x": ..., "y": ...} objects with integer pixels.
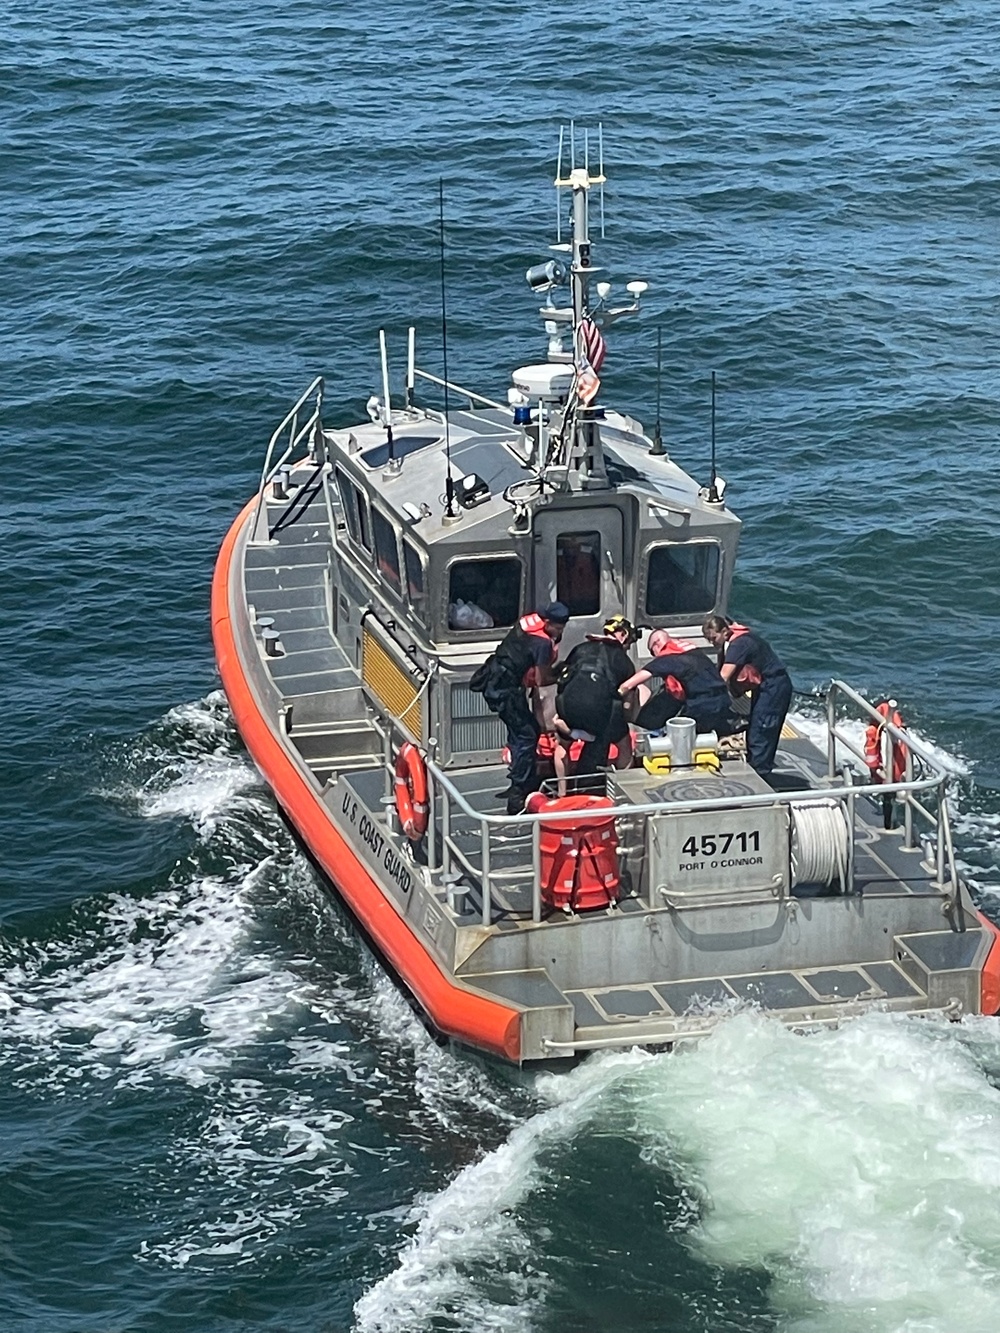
[
  {"x": 444, "y": 852},
  {"x": 466, "y": 393},
  {"x": 296, "y": 434}
]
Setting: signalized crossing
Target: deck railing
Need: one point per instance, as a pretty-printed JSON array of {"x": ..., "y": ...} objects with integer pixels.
[
  {"x": 922, "y": 794},
  {"x": 299, "y": 427}
]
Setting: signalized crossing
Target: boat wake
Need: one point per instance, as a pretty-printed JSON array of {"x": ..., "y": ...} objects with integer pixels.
[
  {"x": 841, "y": 1181},
  {"x": 853, "y": 1175},
  {"x": 230, "y": 986}
]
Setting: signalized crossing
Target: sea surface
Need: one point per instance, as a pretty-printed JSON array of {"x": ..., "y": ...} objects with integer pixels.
[{"x": 216, "y": 1113}]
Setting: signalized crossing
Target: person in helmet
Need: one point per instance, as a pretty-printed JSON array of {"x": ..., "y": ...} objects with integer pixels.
[
  {"x": 524, "y": 660},
  {"x": 748, "y": 664},
  {"x": 692, "y": 687},
  {"x": 589, "y": 707}
]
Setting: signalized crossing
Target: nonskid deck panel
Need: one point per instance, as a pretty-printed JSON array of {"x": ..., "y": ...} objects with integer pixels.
[{"x": 659, "y": 1011}]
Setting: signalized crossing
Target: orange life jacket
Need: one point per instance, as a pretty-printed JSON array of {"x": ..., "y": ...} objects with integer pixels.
[{"x": 746, "y": 676}]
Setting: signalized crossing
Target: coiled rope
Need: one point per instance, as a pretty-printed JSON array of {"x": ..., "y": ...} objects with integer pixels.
[{"x": 819, "y": 842}]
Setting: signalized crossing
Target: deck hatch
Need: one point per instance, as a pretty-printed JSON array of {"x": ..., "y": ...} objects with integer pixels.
[
  {"x": 779, "y": 990},
  {"x": 839, "y": 983},
  {"x": 629, "y": 1001},
  {"x": 889, "y": 978},
  {"x": 685, "y": 997}
]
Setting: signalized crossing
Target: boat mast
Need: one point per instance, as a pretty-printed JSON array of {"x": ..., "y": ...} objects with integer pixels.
[
  {"x": 580, "y": 452},
  {"x": 569, "y": 455}
]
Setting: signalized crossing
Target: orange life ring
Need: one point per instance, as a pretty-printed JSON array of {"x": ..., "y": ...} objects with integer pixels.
[
  {"x": 873, "y": 744},
  {"x": 411, "y": 791}
]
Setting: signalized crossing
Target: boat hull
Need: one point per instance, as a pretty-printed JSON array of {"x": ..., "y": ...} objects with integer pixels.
[{"x": 452, "y": 1010}]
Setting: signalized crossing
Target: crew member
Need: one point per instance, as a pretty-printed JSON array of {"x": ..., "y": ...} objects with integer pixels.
[
  {"x": 692, "y": 687},
  {"x": 589, "y": 707},
  {"x": 748, "y": 664},
  {"x": 523, "y": 659}
]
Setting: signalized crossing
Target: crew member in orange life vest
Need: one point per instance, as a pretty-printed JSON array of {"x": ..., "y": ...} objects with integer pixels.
[
  {"x": 748, "y": 662},
  {"x": 523, "y": 659},
  {"x": 692, "y": 687}
]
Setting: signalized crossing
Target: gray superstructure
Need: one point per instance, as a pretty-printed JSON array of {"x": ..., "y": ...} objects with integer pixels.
[{"x": 380, "y": 565}]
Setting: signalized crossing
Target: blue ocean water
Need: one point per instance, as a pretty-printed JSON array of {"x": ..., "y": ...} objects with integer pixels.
[{"x": 217, "y": 1113}]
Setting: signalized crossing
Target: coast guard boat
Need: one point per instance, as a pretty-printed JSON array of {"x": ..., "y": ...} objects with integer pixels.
[{"x": 376, "y": 568}]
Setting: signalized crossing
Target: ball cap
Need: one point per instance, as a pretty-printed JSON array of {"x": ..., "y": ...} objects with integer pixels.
[{"x": 557, "y": 612}]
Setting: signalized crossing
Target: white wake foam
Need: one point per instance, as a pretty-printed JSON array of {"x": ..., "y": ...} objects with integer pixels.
[
  {"x": 154, "y": 983},
  {"x": 860, "y": 1167},
  {"x": 469, "y": 1258}
]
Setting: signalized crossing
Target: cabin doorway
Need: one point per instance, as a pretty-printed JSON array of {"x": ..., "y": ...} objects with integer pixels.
[{"x": 578, "y": 560}]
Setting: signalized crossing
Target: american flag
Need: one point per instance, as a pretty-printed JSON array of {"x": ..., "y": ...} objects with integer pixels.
[
  {"x": 591, "y": 343},
  {"x": 591, "y": 350}
]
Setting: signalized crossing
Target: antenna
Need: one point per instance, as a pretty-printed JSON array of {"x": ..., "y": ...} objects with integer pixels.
[
  {"x": 600, "y": 168},
  {"x": 713, "y": 490},
  {"x": 657, "y": 436},
  {"x": 449, "y": 485},
  {"x": 562, "y": 131},
  {"x": 387, "y": 401}
]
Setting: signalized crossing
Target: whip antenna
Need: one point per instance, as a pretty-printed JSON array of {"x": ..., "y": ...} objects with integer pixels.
[
  {"x": 713, "y": 490},
  {"x": 449, "y": 485},
  {"x": 657, "y": 435}
]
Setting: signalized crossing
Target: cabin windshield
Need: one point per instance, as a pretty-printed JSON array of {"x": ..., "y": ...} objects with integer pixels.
[
  {"x": 682, "y": 579},
  {"x": 414, "y": 576},
  {"x": 386, "y": 550},
  {"x": 355, "y": 511}
]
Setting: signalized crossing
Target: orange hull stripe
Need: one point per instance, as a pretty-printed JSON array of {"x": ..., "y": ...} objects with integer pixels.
[
  {"x": 470, "y": 1018},
  {"x": 989, "y": 997}
]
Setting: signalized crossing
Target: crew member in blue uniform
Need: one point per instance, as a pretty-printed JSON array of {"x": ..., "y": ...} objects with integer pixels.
[
  {"x": 692, "y": 687},
  {"x": 748, "y": 663},
  {"x": 523, "y": 660}
]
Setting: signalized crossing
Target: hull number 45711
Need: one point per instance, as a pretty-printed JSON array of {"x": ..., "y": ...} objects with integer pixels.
[{"x": 718, "y": 844}]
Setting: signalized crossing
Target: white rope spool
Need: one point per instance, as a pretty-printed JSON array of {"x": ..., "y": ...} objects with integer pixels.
[{"x": 819, "y": 842}]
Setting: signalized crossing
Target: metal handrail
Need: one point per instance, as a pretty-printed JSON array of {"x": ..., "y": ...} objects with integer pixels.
[
  {"x": 913, "y": 748},
  {"x": 466, "y": 393},
  {"x": 684, "y": 807},
  {"x": 935, "y": 779},
  {"x": 296, "y": 434}
]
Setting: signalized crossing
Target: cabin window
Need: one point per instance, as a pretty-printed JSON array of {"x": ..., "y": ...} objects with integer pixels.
[
  {"x": 578, "y": 572},
  {"x": 414, "y": 576},
  {"x": 355, "y": 511},
  {"x": 349, "y": 504},
  {"x": 386, "y": 550},
  {"x": 484, "y": 593},
  {"x": 682, "y": 579},
  {"x": 364, "y": 528}
]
